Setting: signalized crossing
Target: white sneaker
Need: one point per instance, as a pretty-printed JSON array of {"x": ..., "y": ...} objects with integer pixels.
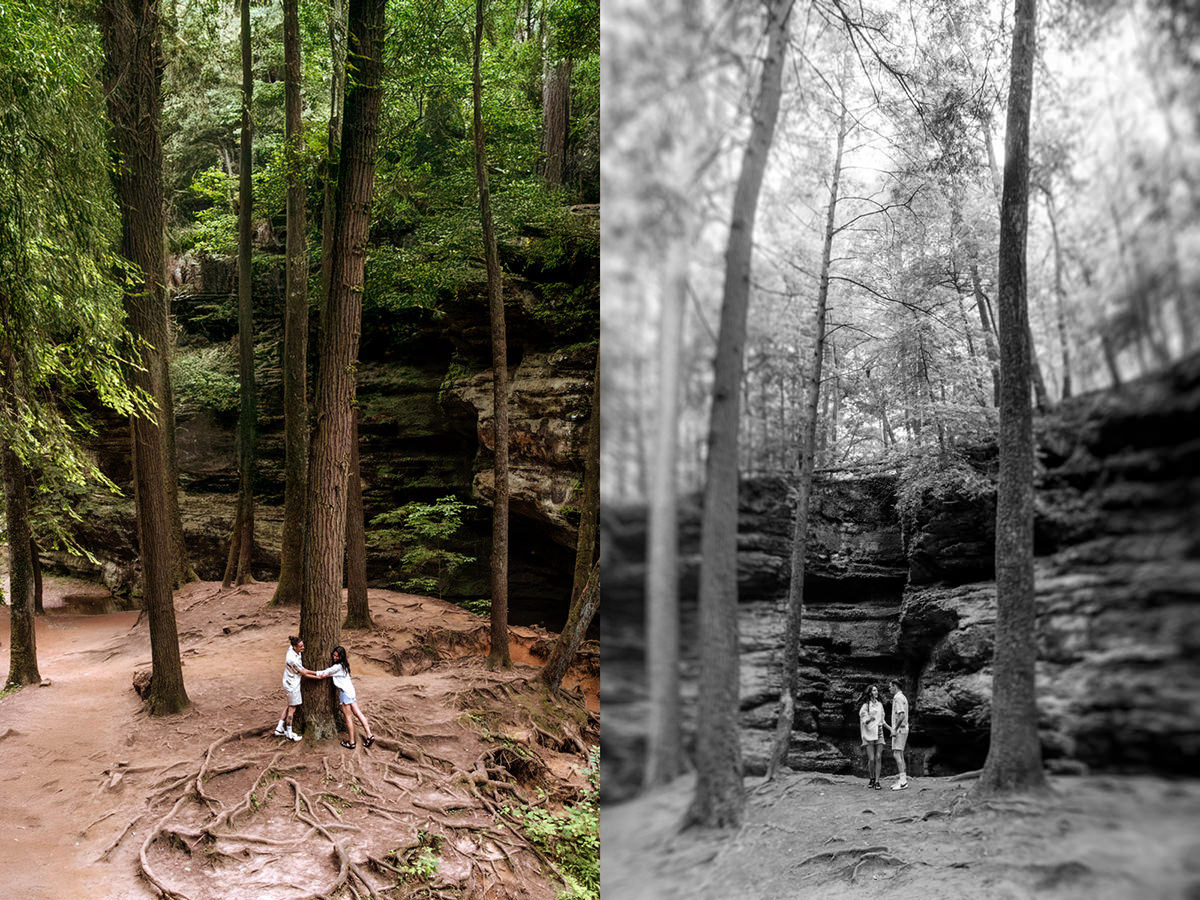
[
  {"x": 291, "y": 735},
  {"x": 279, "y": 731},
  {"x": 900, "y": 785}
]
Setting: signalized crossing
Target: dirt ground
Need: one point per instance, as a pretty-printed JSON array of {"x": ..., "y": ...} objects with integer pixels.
[
  {"x": 95, "y": 793},
  {"x": 828, "y": 836}
]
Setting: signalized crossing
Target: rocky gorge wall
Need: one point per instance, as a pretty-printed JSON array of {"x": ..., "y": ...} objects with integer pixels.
[
  {"x": 1118, "y": 598},
  {"x": 425, "y": 421}
]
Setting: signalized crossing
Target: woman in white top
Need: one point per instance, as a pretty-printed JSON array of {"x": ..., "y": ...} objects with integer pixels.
[
  {"x": 340, "y": 673},
  {"x": 870, "y": 723}
]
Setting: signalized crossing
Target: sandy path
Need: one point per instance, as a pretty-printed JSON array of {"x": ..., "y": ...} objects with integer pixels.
[
  {"x": 65, "y": 740},
  {"x": 828, "y": 837}
]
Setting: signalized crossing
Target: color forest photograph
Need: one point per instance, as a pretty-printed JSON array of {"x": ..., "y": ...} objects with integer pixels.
[
  {"x": 901, "y": 453},
  {"x": 300, "y": 440}
]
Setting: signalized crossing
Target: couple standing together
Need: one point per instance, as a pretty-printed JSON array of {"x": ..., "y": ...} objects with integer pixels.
[
  {"x": 871, "y": 725},
  {"x": 293, "y": 669}
]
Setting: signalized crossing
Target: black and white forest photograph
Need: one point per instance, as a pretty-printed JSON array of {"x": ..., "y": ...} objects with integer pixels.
[{"x": 901, "y": 449}]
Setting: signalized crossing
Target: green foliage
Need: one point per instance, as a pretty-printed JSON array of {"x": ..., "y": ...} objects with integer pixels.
[
  {"x": 420, "y": 862},
  {"x": 571, "y": 836},
  {"x": 932, "y": 479},
  {"x": 423, "y": 531},
  {"x": 205, "y": 378}
]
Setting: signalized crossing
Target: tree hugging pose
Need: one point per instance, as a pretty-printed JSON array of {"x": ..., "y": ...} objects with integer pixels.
[
  {"x": 340, "y": 673},
  {"x": 293, "y": 668}
]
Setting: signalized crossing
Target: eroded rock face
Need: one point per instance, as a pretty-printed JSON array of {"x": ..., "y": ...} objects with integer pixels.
[
  {"x": 424, "y": 401},
  {"x": 1117, "y": 538}
]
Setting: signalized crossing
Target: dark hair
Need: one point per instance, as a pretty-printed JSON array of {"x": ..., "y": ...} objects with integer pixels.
[
  {"x": 293, "y": 639},
  {"x": 866, "y": 694},
  {"x": 337, "y": 651},
  {"x": 897, "y": 683}
]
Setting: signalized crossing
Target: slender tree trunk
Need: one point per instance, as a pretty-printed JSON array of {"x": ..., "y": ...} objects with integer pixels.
[
  {"x": 22, "y": 666},
  {"x": 790, "y": 662},
  {"x": 499, "y": 655},
  {"x": 132, "y": 82},
  {"x": 295, "y": 328},
  {"x": 664, "y": 738},
  {"x": 181, "y": 570},
  {"x": 1060, "y": 296},
  {"x": 720, "y": 796},
  {"x": 589, "y": 501},
  {"x": 358, "y": 610},
  {"x": 1014, "y": 760},
  {"x": 39, "y": 606},
  {"x": 583, "y": 610},
  {"x": 337, "y": 49},
  {"x": 341, "y": 315},
  {"x": 556, "y": 118},
  {"x": 243, "y": 536},
  {"x": 989, "y": 333}
]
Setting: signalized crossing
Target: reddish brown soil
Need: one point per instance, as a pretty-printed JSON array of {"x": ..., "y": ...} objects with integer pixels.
[
  {"x": 88, "y": 776},
  {"x": 827, "y": 836}
]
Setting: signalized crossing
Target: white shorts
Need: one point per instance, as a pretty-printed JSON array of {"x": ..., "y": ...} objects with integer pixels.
[{"x": 293, "y": 695}]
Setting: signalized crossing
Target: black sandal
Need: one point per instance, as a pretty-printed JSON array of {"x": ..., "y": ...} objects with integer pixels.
[
  {"x": 367, "y": 742},
  {"x": 348, "y": 745}
]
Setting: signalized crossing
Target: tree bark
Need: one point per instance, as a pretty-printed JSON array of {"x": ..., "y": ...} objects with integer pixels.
[
  {"x": 337, "y": 49},
  {"x": 589, "y": 500},
  {"x": 358, "y": 610},
  {"x": 720, "y": 796},
  {"x": 1060, "y": 296},
  {"x": 499, "y": 654},
  {"x": 556, "y": 118},
  {"x": 182, "y": 572},
  {"x": 790, "y": 663},
  {"x": 295, "y": 327},
  {"x": 989, "y": 333},
  {"x": 1014, "y": 760},
  {"x": 341, "y": 315},
  {"x": 664, "y": 738},
  {"x": 243, "y": 535},
  {"x": 132, "y": 82},
  {"x": 39, "y": 606},
  {"x": 583, "y": 610},
  {"x": 22, "y": 666}
]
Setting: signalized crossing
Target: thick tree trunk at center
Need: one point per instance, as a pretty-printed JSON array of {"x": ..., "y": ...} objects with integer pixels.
[
  {"x": 341, "y": 314},
  {"x": 1014, "y": 760},
  {"x": 720, "y": 796},
  {"x": 499, "y": 655},
  {"x": 556, "y": 118},
  {"x": 132, "y": 82}
]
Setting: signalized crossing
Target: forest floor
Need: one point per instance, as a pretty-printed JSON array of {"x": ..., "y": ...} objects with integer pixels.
[
  {"x": 829, "y": 837},
  {"x": 99, "y": 799}
]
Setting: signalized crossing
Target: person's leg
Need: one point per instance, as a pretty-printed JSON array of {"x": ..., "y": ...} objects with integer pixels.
[
  {"x": 349, "y": 720},
  {"x": 287, "y": 717},
  {"x": 365, "y": 724},
  {"x": 875, "y": 762}
]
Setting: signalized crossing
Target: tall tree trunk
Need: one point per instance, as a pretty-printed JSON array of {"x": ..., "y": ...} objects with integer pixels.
[
  {"x": 1014, "y": 760},
  {"x": 556, "y": 118},
  {"x": 664, "y": 738},
  {"x": 341, "y": 314},
  {"x": 989, "y": 333},
  {"x": 583, "y": 610},
  {"x": 589, "y": 501},
  {"x": 499, "y": 655},
  {"x": 39, "y": 606},
  {"x": 243, "y": 536},
  {"x": 790, "y": 662},
  {"x": 358, "y": 610},
  {"x": 1060, "y": 296},
  {"x": 337, "y": 49},
  {"x": 132, "y": 82},
  {"x": 181, "y": 568},
  {"x": 295, "y": 327},
  {"x": 22, "y": 665},
  {"x": 720, "y": 796}
]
